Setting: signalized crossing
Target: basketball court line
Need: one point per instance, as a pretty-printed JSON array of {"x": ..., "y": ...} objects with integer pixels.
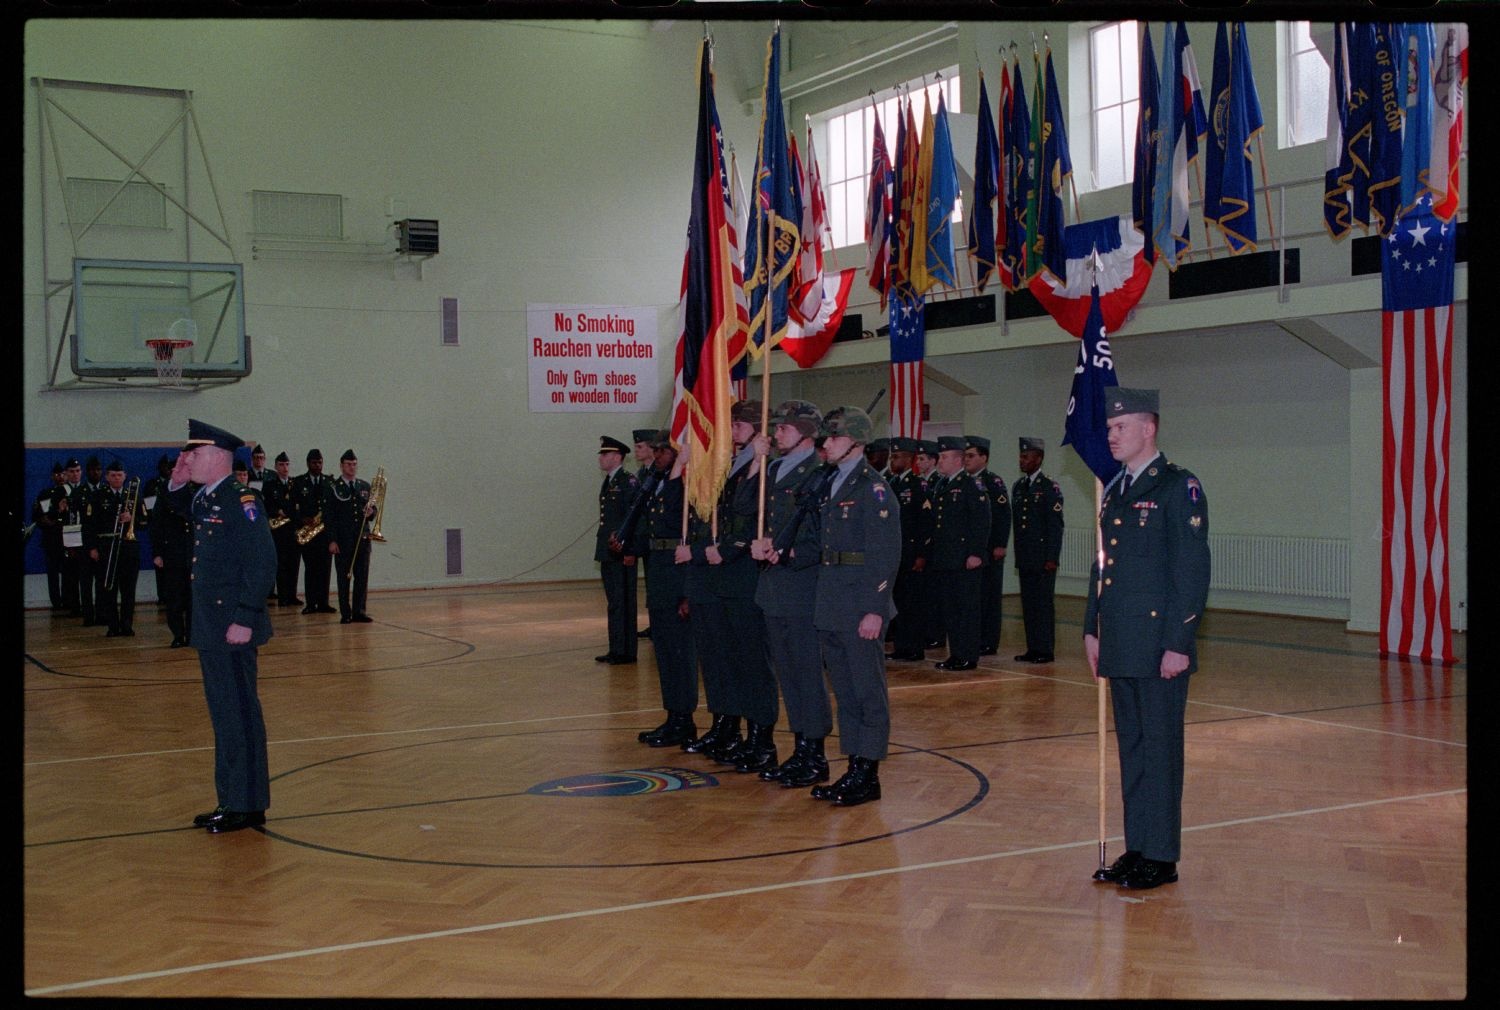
[{"x": 693, "y": 898}]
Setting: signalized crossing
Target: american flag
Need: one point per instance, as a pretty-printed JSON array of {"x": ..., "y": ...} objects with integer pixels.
[
  {"x": 1417, "y": 322},
  {"x": 908, "y": 348}
]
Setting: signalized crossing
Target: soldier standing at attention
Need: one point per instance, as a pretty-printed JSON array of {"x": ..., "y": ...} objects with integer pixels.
[
  {"x": 667, "y": 602},
  {"x": 960, "y": 546},
  {"x": 80, "y": 506},
  {"x": 616, "y": 567},
  {"x": 645, "y": 458},
  {"x": 150, "y": 491},
  {"x": 909, "y": 634},
  {"x": 277, "y": 492},
  {"x": 878, "y": 455},
  {"x": 790, "y": 553},
  {"x": 929, "y": 608},
  {"x": 44, "y": 514},
  {"x": 234, "y": 565},
  {"x": 346, "y": 509},
  {"x": 70, "y": 520},
  {"x": 1140, "y": 626},
  {"x": 861, "y": 550},
  {"x": 992, "y": 575},
  {"x": 1037, "y": 510},
  {"x": 108, "y": 529},
  {"x": 307, "y": 498}
]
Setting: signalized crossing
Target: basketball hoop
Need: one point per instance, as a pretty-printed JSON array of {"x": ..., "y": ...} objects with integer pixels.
[{"x": 168, "y": 367}]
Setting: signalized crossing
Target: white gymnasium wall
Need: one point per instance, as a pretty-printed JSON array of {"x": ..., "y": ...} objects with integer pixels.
[{"x": 557, "y": 157}]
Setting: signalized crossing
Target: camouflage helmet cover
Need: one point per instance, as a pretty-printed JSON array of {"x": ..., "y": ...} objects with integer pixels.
[
  {"x": 850, "y": 421},
  {"x": 799, "y": 414}
]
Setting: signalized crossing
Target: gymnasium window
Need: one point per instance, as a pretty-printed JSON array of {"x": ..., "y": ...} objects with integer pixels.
[
  {"x": 1114, "y": 102},
  {"x": 1304, "y": 85}
]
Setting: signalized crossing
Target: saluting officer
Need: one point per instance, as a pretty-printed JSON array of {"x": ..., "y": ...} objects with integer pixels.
[
  {"x": 660, "y": 531},
  {"x": 277, "y": 492},
  {"x": 1037, "y": 512},
  {"x": 346, "y": 510},
  {"x": 992, "y": 575},
  {"x": 616, "y": 565},
  {"x": 234, "y": 565},
  {"x": 960, "y": 546},
  {"x": 307, "y": 498},
  {"x": 172, "y": 557},
  {"x": 861, "y": 550},
  {"x": 1140, "y": 626},
  {"x": 909, "y": 631},
  {"x": 791, "y": 553}
]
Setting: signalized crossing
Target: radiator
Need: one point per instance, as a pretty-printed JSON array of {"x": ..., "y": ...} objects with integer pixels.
[{"x": 1291, "y": 566}]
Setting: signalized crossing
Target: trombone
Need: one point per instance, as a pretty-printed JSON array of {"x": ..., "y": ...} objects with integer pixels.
[
  {"x": 124, "y": 530},
  {"x": 377, "y": 499}
]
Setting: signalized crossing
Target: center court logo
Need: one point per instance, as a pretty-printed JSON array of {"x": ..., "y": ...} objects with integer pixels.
[{"x": 632, "y": 782}]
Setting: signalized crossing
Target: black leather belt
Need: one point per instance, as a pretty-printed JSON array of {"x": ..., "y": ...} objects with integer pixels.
[{"x": 663, "y": 545}]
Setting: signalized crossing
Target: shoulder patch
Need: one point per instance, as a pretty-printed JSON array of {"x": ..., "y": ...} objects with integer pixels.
[
  {"x": 247, "y": 502},
  {"x": 1194, "y": 489}
]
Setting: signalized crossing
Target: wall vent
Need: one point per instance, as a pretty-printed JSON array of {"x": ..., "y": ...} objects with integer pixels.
[
  {"x": 139, "y": 206},
  {"x": 277, "y": 214},
  {"x": 450, "y": 322},
  {"x": 455, "y": 540}
]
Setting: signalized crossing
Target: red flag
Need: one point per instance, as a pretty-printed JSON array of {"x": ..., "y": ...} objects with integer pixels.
[
  {"x": 808, "y": 341},
  {"x": 878, "y": 216},
  {"x": 1450, "y": 70}
]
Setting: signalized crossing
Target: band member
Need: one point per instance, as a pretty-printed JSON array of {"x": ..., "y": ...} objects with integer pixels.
[
  {"x": 45, "y": 515},
  {"x": 71, "y": 520},
  {"x": 281, "y": 513},
  {"x": 234, "y": 564},
  {"x": 616, "y": 565},
  {"x": 259, "y": 474},
  {"x": 80, "y": 505},
  {"x": 347, "y": 510},
  {"x": 150, "y": 491},
  {"x": 110, "y": 529},
  {"x": 172, "y": 557},
  {"x": 861, "y": 550},
  {"x": 791, "y": 556},
  {"x": 307, "y": 499}
]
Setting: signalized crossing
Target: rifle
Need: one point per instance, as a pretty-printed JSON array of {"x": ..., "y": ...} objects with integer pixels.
[
  {"x": 620, "y": 539},
  {"x": 809, "y": 497}
]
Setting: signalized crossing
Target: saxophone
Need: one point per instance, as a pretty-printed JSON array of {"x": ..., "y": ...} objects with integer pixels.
[{"x": 307, "y": 534}]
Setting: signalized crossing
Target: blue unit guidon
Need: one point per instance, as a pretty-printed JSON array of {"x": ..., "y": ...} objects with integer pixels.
[{"x": 632, "y": 782}]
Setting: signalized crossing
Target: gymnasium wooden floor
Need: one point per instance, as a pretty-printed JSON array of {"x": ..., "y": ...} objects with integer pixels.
[{"x": 415, "y": 848}]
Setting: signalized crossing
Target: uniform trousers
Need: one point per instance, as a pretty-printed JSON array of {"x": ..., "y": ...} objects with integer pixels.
[
  {"x": 70, "y": 594},
  {"x": 288, "y": 559},
  {"x": 1149, "y": 714},
  {"x": 84, "y": 572},
  {"x": 115, "y": 605},
  {"x": 676, "y": 659},
  {"x": 856, "y": 668},
  {"x": 909, "y": 632},
  {"x": 619, "y": 596},
  {"x": 752, "y": 685},
  {"x": 1037, "y": 590},
  {"x": 709, "y": 630},
  {"x": 360, "y": 576},
  {"x": 177, "y": 598},
  {"x": 792, "y": 643},
  {"x": 956, "y": 593},
  {"x": 56, "y": 561},
  {"x": 316, "y": 563},
  {"x": 991, "y": 589},
  {"x": 929, "y": 607},
  {"x": 241, "y": 775}
]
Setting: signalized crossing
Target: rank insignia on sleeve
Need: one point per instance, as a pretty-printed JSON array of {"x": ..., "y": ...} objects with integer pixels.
[
  {"x": 884, "y": 513},
  {"x": 1194, "y": 489}
]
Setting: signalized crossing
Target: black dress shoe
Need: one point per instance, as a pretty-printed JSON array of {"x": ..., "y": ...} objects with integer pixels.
[
  {"x": 309, "y": 609},
  {"x": 1024, "y": 657},
  {"x": 678, "y": 729},
  {"x": 1149, "y": 873},
  {"x": 711, "y": 736},
  {"x": 831, "y": 791},
  {"x": 112, "y": 633},
  {"x": 863, "y": 787},
  {"x": 989, "y": 652},
  {"x": 204, "y": 820},
  {"x": 324, "y": 608},
  {"x": 956, "y": 664},
  {"x": 608, "y": 657},
  {"x": 178, "y": 642},
  {"x": 936, "y": 643},
  {"x": 1116, "y": 870},
  {"x": 1042, "y": 657},
  {"x": 234, "y": 820},
  {"x": 346, "y": 620},
  {"x": 812, "y": 770},
  {"x": 643, "y": 633},
  {"x": 363, "y": 619},
  {"x": 906, "y": 655}
]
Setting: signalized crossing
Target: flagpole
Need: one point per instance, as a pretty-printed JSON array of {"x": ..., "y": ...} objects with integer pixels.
[
  {"x": 1101, "y": 685},
  {"x": 1265, "y": 184}
]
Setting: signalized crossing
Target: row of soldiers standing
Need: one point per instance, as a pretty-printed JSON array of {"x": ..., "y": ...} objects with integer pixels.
[{"x": 762, "y": 609}]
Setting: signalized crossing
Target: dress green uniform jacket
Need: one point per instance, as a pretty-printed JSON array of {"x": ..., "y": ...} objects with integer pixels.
[
  {"x": 1036, "y": 508},
  {"x": 861, "y": 549},
  {"x": 999, "y": 494},
  {"x": 657, "y": 535},
  {"x": 307, "y": 494},
  {"x": 960, "y": 523},
  {"x": 616, "y": 495},
  {"x": 1154, "y": 586},
  {"x": 234, "y": 563},
  {"x": 344, "y": 510},
  {"x": 911, "y": 490}
]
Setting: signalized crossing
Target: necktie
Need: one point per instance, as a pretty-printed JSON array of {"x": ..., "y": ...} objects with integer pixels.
[{"x": 1125, "y": 485}]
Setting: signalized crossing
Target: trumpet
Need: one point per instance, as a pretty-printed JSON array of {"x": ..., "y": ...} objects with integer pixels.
[
  {"x": 308, "y": 534},
  {"x": 124, "y": 530}
]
